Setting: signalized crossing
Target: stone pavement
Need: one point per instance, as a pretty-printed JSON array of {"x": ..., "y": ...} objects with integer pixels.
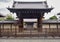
[{"x": 28, "y": 40}]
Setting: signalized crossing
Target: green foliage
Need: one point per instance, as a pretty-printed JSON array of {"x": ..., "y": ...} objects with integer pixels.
[
  {"x": 9, "y": 17},
  {"x": 53, "y": 17},
  {"x": 1, "y": 19}
]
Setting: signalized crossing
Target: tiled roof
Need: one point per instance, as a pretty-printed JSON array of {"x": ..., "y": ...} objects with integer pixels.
[
  {"x": 51, "y": 21},
  {"x": 7, "y": 21},
  {"x": 44, "y": 21},
  {"x": 1, "y": 15},
  {"x": 33, "y": 5}
]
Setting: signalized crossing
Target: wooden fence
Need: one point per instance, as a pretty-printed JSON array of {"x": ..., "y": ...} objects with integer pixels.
[{"x": 12, "y": 30}]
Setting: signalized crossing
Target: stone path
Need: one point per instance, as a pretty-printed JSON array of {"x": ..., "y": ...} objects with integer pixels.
[{"x": 29, "y": 40}]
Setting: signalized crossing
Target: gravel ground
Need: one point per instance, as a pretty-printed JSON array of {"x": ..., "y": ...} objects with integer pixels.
[{"x": 28, "y": 40}]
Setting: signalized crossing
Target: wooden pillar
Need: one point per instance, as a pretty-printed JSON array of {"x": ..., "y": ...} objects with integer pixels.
[
  {"x": 40, "y": 24},
  {"x": 57, "y": 27},
  {"x": 20, "y": 22},
  {"x": 0, "y": 30}
]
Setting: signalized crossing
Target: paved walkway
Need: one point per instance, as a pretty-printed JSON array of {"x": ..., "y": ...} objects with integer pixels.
[{"x": 29, "y": 40}]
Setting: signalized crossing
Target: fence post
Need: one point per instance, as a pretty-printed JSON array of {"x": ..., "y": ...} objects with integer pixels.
[{"x": 0, "y": 30}]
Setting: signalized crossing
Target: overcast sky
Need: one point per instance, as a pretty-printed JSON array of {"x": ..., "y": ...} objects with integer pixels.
[{"x": 51, "y": 3}]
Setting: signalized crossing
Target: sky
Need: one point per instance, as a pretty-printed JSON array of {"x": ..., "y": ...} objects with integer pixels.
[{"x": 51, "y": 3}]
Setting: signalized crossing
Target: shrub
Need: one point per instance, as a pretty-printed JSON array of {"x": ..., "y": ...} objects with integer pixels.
[
  {"x": 1, "y": 19},
  {"x": 9, "y": 17},
  {"x": 53, "y": 17}
]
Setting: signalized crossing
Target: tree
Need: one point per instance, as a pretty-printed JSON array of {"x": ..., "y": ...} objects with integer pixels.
[
  {"x": 53, "y": 18},
  {"x": 9, "y": 17}
]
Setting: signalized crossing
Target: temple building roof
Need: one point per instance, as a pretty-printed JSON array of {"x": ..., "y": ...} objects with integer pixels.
[
  {"x": 41, "y": 5},
  {"x": 30, "y": 9},
  {"x": 30, "y": 5},
  {"x": 1, "y": 15}
]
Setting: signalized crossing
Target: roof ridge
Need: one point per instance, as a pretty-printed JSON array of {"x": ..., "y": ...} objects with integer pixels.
[{"x": 29, "y": 1}]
